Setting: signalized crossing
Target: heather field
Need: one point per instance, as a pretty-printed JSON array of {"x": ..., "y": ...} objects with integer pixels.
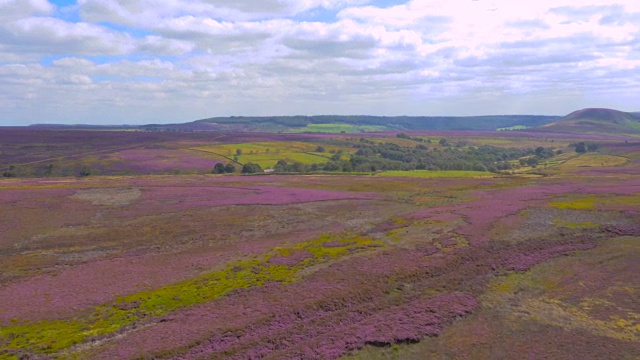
[{"x": 150, "y": 256}]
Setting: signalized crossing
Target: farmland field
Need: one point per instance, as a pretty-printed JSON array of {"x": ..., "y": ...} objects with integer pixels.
[
  {"x": 267, "y": 154},
  {"x": 149, "y": 255}
]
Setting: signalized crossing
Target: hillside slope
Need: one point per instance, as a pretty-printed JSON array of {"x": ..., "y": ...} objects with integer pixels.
[
  {"x": 596, "y": 121},
  {"x": 356, "y": 123}
]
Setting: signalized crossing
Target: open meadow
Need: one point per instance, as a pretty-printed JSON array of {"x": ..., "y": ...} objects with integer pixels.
[{"x": 424, "y": 244}]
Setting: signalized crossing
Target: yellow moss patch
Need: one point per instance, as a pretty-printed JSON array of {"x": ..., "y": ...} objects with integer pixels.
[
  {"x": 590, "y": 202},
  {"x": 581, "y": 203},
  {"x": 575, "y": 225}
]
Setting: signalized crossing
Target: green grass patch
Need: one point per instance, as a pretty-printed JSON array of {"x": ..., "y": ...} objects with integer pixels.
[
  {"x": 49, "y": 337},
  {"x": 267, "y": 154},
  {"x": 270, "y": 160}
]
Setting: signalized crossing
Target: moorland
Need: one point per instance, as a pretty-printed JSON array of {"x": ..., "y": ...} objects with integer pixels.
[{"x": 212, "y": 242}]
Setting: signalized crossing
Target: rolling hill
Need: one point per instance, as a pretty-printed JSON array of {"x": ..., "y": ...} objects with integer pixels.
[
  {"x": 595, "y": 121},
  {"x": 357, "y": 123}
]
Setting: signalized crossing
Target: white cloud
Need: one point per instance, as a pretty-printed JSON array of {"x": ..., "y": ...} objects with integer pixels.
[
  {"x": 149, "y": 13},
  {"x": 178, "y": 60},
  {"x": 16, "y": 9},
  {"x": 46, "y": 35},
  {"x": 162, "y": 46}
]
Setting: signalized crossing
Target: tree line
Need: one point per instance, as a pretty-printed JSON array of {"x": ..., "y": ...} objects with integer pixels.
[{"x": 372, "y": 156}]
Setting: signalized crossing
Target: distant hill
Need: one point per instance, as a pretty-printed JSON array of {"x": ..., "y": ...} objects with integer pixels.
[
  {"x": 357, "y": 123},
  {"x": 595, "y": 121},
  {"x": 331, "y": 124}
]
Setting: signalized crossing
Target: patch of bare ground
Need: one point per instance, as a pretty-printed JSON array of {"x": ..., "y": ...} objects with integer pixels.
[{"x": 109, "y": 197}]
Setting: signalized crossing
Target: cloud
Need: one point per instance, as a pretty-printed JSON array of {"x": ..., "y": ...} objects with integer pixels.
[
  {"x": 17, "y": 9},
  {"x": 149, "y": 13},
  {"x": 161, "y": 46},
  {"x": 176, "y": 60},
  {"x": 331, "y": 48},
  {"x": 51, "y": 36}
]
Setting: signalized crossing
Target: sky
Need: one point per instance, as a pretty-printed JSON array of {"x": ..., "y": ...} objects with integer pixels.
[{"x": 148, "y": 61}]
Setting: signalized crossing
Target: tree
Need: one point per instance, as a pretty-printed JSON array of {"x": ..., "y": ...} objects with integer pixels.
[
  {"x": 48, "y": 170},
  {"x": 443, "y": 142},
  {"x": 238, "y": 152},
  {"x": 218, "y": 168},
  {"x": 532, "y": 161},
  {"x": 346, "y": 166},
  {"x": 592, "y": 147},
  {"x": 251, "y": 168},
  {"x": 281, "y": 166},
  {"x": 85, "y": 171},
  {"x": 581, "y": 148},
  {"x": 320, "y": 149},
  {"x": 297, "y": 167},
  {"x": 229, "y": 168},
  {"x": 10, "y": 173}
]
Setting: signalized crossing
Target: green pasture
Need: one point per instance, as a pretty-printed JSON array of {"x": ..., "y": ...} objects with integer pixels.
[
  {"x": 570, "y": 162},
  {"x": 595, "y": 160},
  {"x": 267, "y": 154},
  {"x": 269, "y": 160}
]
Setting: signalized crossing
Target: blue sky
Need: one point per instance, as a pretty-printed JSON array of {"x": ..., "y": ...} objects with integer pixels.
[{"x": 144, "y": 61}]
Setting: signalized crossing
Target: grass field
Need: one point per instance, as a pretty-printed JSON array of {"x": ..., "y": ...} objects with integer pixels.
[
  {"x": 595, "y": 160},
  {"x": 267, "y": 154},
  {"x": 269, "y": 160}
]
